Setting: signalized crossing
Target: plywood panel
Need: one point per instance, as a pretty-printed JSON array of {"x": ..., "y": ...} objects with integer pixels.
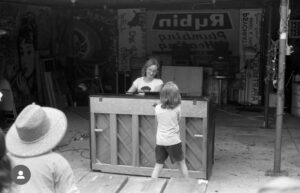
[
  {"x": 135, "y": 140},
  {"x": 113, "y": 138},
  {"x": 124, "y": 139},
  {"x": 143, "y": 106},
  {"x": 147, "y": 135},
  {"x": 93, "y": 139},
  {"x": 194, "y": 145},
  {"x": 102, "y": 136}
]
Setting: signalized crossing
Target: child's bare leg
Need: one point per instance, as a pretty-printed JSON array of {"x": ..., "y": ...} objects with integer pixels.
[
  {"x": 183, "y": 169},
  {"x": 156, "y": 170}
]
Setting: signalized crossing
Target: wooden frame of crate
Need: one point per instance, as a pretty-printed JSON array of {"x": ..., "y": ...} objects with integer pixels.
[{"x": 123, "y": 129}]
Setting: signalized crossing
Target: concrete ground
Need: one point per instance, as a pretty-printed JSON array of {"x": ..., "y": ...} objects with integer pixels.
[{"x": 244, "y": 150}]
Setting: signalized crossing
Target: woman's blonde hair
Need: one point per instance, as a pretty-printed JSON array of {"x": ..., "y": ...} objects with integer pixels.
[
  {"x": 151, "y": 61},
  {"x": 170, "y": 96}
]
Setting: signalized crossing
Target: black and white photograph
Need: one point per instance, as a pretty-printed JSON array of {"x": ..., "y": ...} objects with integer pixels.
[{"x": 149, "y": 96}]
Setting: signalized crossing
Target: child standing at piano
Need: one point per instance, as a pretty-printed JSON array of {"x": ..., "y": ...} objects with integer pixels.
[{"x": 168, "y": 143}]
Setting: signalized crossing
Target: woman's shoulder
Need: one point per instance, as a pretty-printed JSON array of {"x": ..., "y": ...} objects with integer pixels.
[
  {"x": 139, "y": 79},
  {"x": 158, "y": 80}
]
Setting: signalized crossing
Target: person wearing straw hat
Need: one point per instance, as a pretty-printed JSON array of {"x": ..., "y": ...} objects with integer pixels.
[
  {"x": 5, "y": 166},
  {"x": 30, "y": 140}
]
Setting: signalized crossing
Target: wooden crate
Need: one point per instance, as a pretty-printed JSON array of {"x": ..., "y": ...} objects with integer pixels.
[{"x": 123, "y": 132}]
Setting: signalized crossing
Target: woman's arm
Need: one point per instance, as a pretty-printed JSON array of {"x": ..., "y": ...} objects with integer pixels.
[{"x": 132, "y": 89}]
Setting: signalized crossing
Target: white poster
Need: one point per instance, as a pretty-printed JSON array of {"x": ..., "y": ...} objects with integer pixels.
[
  {"x": 250, "y": 55},
  {"x": 200, "y": 30},
  {"x": 132, "y": 31}
]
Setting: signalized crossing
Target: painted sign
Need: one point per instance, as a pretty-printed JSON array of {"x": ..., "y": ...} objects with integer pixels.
[
  {"x": 192, "y": 21},
  {"x": 131, "y": 25},
  {"x": 200, "y": 29},
  {"x": 250, "y": 55}
]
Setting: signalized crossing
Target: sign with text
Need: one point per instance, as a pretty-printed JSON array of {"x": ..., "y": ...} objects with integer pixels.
[
  {"x": 131, "y": 26},
  {"x": 250, "y": 55},
  {"x": 192, "y": 21},
  {"x": 200, "y": 29}
]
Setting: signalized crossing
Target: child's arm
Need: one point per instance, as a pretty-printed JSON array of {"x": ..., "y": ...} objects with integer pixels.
[
  {"x": 155, "y": 109},
  {"x": 179, "y": 114}
]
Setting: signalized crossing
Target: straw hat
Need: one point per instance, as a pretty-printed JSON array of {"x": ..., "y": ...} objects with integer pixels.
[{"x": 36, "y": 131}]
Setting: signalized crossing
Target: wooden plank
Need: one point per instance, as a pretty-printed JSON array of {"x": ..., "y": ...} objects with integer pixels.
[
  {"x": 135, "y": 140},
  {"x": 181, "y": 185},
  {"x": 204, "y": 152},
  {"x": 145, "y": 171},
  {"x": 113, "y": 138},
  {"x": 210, "y": 139},
  {"x": 92, "y": 138},
  {"x": 143, "y": 185},
  {"x": 154, "y": 185},
  {"x": 99, "y": 183},
  {"x": 182, "y": 127},
  {"x": 124, "y": 138},
  {"x": 142, "y": 106},
  {"x": 194, "y": 143},
  {"x": 102, "y": 136}
]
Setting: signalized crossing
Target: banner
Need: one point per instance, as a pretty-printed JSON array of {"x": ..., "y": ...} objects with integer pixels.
[
  {"x": 132, "y": 31},
  {"x": 250, "y": 55},
  {"x": 200, "y": 30}
]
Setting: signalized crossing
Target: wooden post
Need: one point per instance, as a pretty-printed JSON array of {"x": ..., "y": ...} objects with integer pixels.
[
  {"x": 280, "y": 90},
  {"x": 267, "y": 80},
  {"x": 117, "y": 82}
]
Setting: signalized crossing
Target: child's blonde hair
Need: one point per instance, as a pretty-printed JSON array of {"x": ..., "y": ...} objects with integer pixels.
[
  {"x": 151, "y": 61},
  {"x": 170, "y": 96}
]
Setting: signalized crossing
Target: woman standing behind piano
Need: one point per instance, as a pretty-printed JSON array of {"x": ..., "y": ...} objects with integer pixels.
[{"x": 148, "y": 82}]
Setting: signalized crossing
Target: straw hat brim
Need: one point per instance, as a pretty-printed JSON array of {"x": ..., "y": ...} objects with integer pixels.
[{"x": 57, "y": 130}]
